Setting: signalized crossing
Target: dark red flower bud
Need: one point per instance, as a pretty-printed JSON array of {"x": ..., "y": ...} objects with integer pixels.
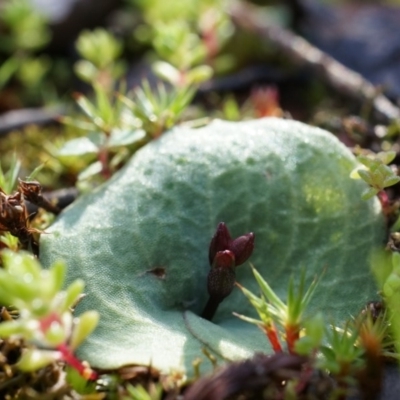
[
  {"x": 220, "y": 241},
  {"x": 224, "y": 255},
  {"x": 242, "y": 247},
  {"x": 224, "y": 259},
  {"x": 221, "y": 278}
]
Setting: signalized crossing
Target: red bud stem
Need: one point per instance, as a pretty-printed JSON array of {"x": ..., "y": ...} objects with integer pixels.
[{"x": 211, "y": 308}]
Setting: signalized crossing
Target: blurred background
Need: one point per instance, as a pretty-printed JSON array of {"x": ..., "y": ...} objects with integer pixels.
[{"x": 213, "y": 58}]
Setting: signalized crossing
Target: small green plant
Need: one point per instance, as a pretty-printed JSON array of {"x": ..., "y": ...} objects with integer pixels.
[
  {"x": 101, "y": 63},
  {"x": 27, "y": 27},
  {"x": 386, "y": 268},
  {"x": 118, "y": 127},
  {"x": 187, "y": 40},
  {"x": 79, "y": 383},
  {"x": 24, "y": 31},
  {"x": 113, "y": 134},
  {"x": 140, "y": 393},
  {"x": 9, "y": 241},
  {"x": 158, "y": 110},
  {"x": 273, "y": 311},
  {"x": 376, "y": 172},
  {"x": 182, "y": 51},
  {"x": 8, "y": 179},
  {"x": 119, "y": 124},
  {"x": 352, "y": 355},
  {"x": 341, "y": 354},
  {"x": 45, "y": 320}
]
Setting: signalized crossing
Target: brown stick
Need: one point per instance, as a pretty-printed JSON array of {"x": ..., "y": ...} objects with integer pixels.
[
  {"x": 301, "y": 52},
  {"x": 18, "y": 119}
]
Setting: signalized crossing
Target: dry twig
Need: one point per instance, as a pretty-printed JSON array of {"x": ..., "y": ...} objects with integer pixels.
[{"x": 301, "y": 52}]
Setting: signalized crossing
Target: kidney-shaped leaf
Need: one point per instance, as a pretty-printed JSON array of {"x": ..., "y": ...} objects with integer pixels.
[{"x": 140, "y": 242}]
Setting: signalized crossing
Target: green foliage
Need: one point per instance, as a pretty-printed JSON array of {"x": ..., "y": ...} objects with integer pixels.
[
  {"x": 7, "y": 69},
  {"x": 24, "y": 31},
  {"x": 140, "y": 393},
  {"x": 78, "y": 383},
  {"x": 177, "y": 44},
  {"x": 10, "y": 241},
  {"x": 339, "y": 351},
  {"x": 182, "y": 51},
  {"x": 45, "y": 319},
  {"x": 314, "y": 333},
  {"x": 230, "y": 109},
  {"x": 33, "y": 70},
  {"x": 271, "y": 309},
  {"x": 386, "y": 268},
  {"x": 27, "y": 27},
  {"x": 118, "y": 127},
  {"x": 100, "y": 51},
  {"x": 103, "y": 114},
  {"x": 377, "y": 174},
  {"x": 8, "y": 179},
  {"x": 342, "y": 351},
  {"x": 140, "y": 241},
  {"x": 187, "y": 38},
  {"x": 38, "y": 146},
  {"x": 201, "y": 17},
  {"x": 99, "y": 47},
  {"x": 113, "y": 134},
  {"x": 158, "y": 10},
  {"x": 176, "y": 78},
  {"x": 160, "y": 110}
]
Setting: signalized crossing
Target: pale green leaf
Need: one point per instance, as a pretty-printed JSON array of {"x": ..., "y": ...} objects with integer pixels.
[
  {"x": 72, "y": 294},
  {"x": 34, "y": 359},
  {"x": 369, "y": 193},
  {"x": 199, "y": 74},
  {"x": 83, "y": 327},
  {"x": 86, "y": 70},
  {"x": 56, "y": 277},
  {"x": 127, "y": 137},
  {"x": 167, "y": 72},
  {"x": 391, "y": 180},
  {"x": 285, "y": 181},
  {"x": 78, "y": 147},
  {"x": 366, "y": 176},
  {"x": 90, "y": 171},
  {"x": 369, "y": 162},
  {"x": 386, "y": 156}
]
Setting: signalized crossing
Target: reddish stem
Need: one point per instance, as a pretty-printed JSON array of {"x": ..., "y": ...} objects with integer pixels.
[
  {"x": 292, "y": 336},
  {"x": 48, "y": 320},
  {"x": 103, "y": 158},
  {"x": 342, "y": 380},
  {"x": 306, "y": 374},
  {"x": 385, "y": 202},
  {"x": 272, "y": 335},
  {"x": 75, "y": 363}
]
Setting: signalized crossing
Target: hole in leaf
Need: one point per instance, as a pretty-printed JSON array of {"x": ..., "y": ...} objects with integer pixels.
[{"x": 158, "y": 272}]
